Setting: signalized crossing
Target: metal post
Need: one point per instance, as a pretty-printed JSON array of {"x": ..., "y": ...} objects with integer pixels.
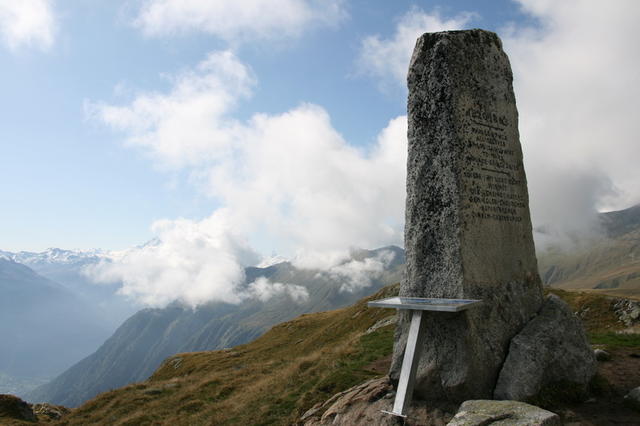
[{"x": 410, "y": 362}]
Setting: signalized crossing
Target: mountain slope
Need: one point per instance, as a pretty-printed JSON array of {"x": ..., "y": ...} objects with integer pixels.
[
  {"x": 608, "y": 263},
  {"x": 138, "y": 347},
  {"x": 39, "y": 316},
  {"x": 295, "y": 365},
  {"x": 67, "y": 268},
  {"x": 270, "y": 380}
]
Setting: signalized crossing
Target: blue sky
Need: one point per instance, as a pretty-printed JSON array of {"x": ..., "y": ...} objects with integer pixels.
[
  {"x": 231, "y": 130},
  {"x": 69, "y": 181}
]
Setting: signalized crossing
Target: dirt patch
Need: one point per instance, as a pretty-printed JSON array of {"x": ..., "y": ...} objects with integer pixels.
[
  {"x": 380, "y": 366},
  {"x": 620, "y": 374}
]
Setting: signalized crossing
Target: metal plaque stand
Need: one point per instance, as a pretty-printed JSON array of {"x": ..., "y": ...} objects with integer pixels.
[{"x": 415, "y": 339}]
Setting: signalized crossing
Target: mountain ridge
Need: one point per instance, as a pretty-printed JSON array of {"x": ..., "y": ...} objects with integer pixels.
[
  {"x": 36, "y": 315},
  {"x": 608, "y": 263}
]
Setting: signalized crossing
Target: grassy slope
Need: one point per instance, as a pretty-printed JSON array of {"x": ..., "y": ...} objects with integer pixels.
[
  {"x": 276, "y": 378},
  {"x": 272, "y": 380}
]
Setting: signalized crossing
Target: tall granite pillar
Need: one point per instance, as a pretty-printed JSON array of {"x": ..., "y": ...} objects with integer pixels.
[{"x": 468, "y": 229}]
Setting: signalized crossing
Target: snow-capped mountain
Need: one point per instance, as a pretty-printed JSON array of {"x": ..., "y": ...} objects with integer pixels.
[
  {"x": 67, "y": 267},
  {"x": 55, "y": 256}
]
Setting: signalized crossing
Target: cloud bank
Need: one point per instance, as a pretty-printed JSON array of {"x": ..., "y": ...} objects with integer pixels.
[
  {"x": 237, "y": 20},
  {"x": 290, "y": 179},
  {"x": 576, "y": 85},
  {"x": 27, "y": 23}
]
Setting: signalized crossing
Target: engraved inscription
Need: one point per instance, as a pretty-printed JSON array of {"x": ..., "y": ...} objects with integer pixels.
[{"x": 494, "y": 191}]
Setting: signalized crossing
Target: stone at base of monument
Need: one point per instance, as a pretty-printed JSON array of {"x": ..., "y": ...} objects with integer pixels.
[
  {"x": 551, "y": 348},
  {"x": 632, "y": 399},
  {"x": 503, "y": 413}
]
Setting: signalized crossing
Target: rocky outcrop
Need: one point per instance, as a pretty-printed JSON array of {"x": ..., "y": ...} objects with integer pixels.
[
  {"x": 628, "y": 311},
  {"x": 551, "y": 348},
  {"x": 46, "y": 411},
  {"x": 502, "y": 413},
  {"x": 12, "y": 407}
]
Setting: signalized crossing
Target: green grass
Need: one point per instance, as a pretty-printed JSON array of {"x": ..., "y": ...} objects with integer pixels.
[
  {"x": 615, "y": 340},
  {"x": 351, "y": 370}
]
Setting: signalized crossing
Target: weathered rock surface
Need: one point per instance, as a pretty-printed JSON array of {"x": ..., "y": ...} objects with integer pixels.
[
  {"x": 628, "y": 311},
  {"x": 552, "y": 348},
  {"x": 12, "y": 407},
  {"x": 602, "y": 355},
  {"x": 48, "y": 411},
  {"x": 363, "y": 405},
  {"x": 467, "y": 225},
  {"x": 632, "y": 399},
  {"x": 499, "y": 413}
]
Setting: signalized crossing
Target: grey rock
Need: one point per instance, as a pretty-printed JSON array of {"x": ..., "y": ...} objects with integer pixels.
[
  {"x": 50, "y": 411},
  {"x": 495, "y": 413},
  {"x": 602, "y": 355},
  {"x": 467, "y": 224},
  {"x": 552, "y": 348},
  {"x": 628, "y": 311},
  {"x": 632, "y": 399}
]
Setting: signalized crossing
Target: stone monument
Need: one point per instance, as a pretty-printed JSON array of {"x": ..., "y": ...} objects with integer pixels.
[{"x": 468, "y": 230}]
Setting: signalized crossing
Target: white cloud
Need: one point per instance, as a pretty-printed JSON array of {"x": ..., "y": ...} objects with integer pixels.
[
  {"x": 359, "y": 273},
  {"x": 188, "y": 126},
  {"x": 27, "y": 23},
  {"x": 290, "y": 179},
  {"x": 192, "y": 262},
  {"x": 265, "y": 290},
  {"x": 237, "y": 20},
  {"x": 389, "y": 58},
  {"x": 577, "y": 85}
]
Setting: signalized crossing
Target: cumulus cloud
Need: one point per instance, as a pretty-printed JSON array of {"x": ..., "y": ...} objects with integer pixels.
[
  {"x": 264, "y": 290},
  {"x": 188, "y": 126},
  {"x": 237, "y": 20},
  {"x": 358, "y": 274},
  {"x": 389, "y": 58},
  {"x": 27, "y": 23},
  {"x": 290, "y": 179},
  {"x": 188, "y": 261},
  {"x": 576, "y": 82}
]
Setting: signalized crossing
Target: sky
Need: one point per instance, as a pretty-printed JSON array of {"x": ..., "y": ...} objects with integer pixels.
[{"x": 176, "y": 132}]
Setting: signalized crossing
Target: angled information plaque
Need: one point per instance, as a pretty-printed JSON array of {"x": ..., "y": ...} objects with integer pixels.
[
  {"x": 423, "y": 304},
  {"x": 415, "y": 339}
]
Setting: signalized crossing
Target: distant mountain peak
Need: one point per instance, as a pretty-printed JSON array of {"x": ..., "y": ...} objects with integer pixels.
[
  {"x": 272, "y": 260},
  {"x": 54, "y": 255}
]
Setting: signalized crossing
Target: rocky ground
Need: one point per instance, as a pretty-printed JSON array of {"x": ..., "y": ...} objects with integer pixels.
[{"x": 605, "y": 406}]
